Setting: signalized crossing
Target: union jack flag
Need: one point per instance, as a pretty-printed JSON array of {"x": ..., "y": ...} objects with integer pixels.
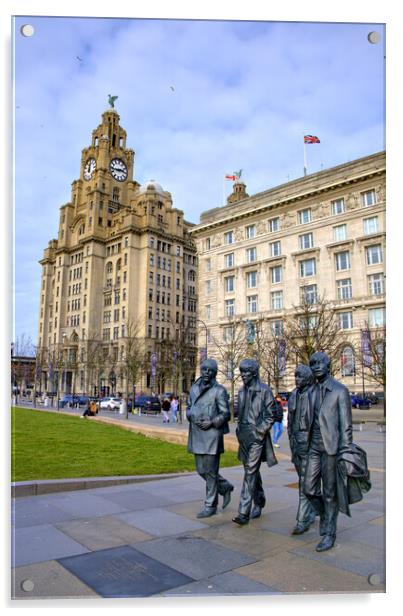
[{"x": 311, "y": 139}]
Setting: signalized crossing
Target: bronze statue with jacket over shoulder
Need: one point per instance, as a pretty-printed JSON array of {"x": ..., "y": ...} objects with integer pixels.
[
  {"x": 208, "y": 414},
  {"x": 299, "y": 424},
  {"x": 331, "y": 431},
  {"x": 256, "y": 415}
]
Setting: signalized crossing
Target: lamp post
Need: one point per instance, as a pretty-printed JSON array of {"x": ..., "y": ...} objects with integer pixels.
[{"x": 206, "y": 330}]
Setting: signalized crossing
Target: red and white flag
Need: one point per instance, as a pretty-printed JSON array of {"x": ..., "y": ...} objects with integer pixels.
[{"x": 311, "y": 139}]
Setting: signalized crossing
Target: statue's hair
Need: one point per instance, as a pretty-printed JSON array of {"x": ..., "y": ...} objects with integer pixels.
[
  {"x": 321, "y": 354},
  {"x": 306, "y": 372},
  {"x": 249, "y": 364},
  {"x": 210, "y": 363}
]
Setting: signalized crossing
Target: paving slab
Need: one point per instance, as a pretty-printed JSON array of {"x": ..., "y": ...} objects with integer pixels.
[
  {"x": 194, "y": 556},
  {"x": 366, "y": 534},
  {"x": 293, "y": 573},
  {"x": 48, "y": 580},
  {"x": 248, "y": 539},
  {"x": 190, "y": 510},
  {"x": 84, "y": 504},
  {"x": 159, "y": 522},
  {"x": 124, "y": 572},
  {"x": 358, "y": 558},
  {"x": 236, "y": 584},
  {"x": 31, "y": 511},
  {"x": 137, "y": 499},
  {"x": 102, "y": 533},
  {"x": 42, "y": 542}
]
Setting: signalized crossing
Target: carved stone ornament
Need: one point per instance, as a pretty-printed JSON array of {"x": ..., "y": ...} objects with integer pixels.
[
  {"x": 288, "y": 220},
  {"x": 380, "y": 193},
  {"x": 261, "y": 227},
  {"x": 352, "y": 201},
  {"x": 320, "y": 210},
  {"x": 238, "y": 235},
  {"x": 216, "y": 240}
]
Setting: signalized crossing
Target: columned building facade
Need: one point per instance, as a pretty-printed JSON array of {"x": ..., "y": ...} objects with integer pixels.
[
  {"x": 123, "y": 266},
  {"x": 320, "y": 235}
]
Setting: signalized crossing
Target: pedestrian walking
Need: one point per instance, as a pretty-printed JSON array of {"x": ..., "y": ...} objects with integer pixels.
[
  {"x": 166, "y": 407},
  {"x": 278, "y": 426},
  {"x": 87, "y": 409},
  {"x": 174, "y": 408}
]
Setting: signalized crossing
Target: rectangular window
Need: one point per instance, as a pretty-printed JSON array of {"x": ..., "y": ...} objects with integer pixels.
[
  {"x": 342, "y": 260},
  {"x": 228, "y": 334},
  {"x": 207, "y": 244},
  {"x": 276, "y": 274},
  {"x": 229, "y": 307},
  {"x": 346, "y": 320},
  {"x": 252, "y": 303},
  {"x": 250, "y": 232},
  {"x": 115, "y": 333},
  {"x": 274, "y": 224},
  {"x": 106, "y": 334},
  {"x": 275, "y": 249},
  {"x": 276, "y": 300},
  {"x": 374, "y": 254},
  {"x": 229, "y": 284},
  {"x": 208, "y": 287},
  {"x": 207, "y": 310},
  {"x": 376, "y": 317},
  {"x": 368, "y": 198},
  {"x": 306, "y": 241},
  {"x": 376, "y": 284},
  {"x": 251, "y": 280},
  {"x": 338, "y": 206},
  {"x": 309, "y": 294},
  {"x": 229, "y": 260},
  {"x": 277, "y": 327},
  {"x": 251, "y": 255},
  {"x": 340, "y": 233},
  {"x": 207, "y": 265},
  {"x": 344, "y": 289},
  {"x": 370, "y": 225},
  {"x": 304, "y": 216},
  {"x": 229, "y": 237},
  {"x": 307, "y": 268}
]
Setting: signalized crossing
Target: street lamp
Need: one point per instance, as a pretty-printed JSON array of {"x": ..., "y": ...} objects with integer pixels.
[{"x": 206, "y": 330}]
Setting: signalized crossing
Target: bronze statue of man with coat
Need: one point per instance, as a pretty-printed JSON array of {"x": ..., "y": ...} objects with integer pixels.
[
  {"x": 299, "y": 425},
  {"x": 208, "y": 414},
  {"x": 330, "y": 433},
  {"x": 256, "y": 415}
]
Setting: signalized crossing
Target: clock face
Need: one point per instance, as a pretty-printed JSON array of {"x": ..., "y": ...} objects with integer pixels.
[
  {"x": 89, "y": 168},
  {"x": 118, "y": 169}
]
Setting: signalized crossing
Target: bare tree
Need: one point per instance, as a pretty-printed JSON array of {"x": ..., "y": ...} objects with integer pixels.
[
  {"x": 270, "y": 350},
  {"x": 230, "y": 350},
  {"x": 21, "y": 371},
  {"x": 94, "y": 361},
  {"x": 314, "y": 326},
  {"x": 372, "y": 351},
  {"x": 133, "y": 360}
]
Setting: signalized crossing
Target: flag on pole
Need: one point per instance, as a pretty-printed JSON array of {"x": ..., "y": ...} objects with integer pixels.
[
  {"x": 235, "y": 175},
  {"x": 231, "y": 177},
  {"x": 311, "y": 139}
]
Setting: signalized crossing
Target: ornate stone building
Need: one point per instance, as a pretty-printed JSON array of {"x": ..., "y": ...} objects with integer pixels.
[
  {"x": 320, "y": 235},
  {"x": 123, "y": 266}
]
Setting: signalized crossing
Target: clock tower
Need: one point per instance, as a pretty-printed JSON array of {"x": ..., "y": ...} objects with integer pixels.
[{"x": 122, "y": 260}]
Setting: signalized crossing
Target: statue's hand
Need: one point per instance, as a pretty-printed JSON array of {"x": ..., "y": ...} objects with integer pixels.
[{"x": 204, "y": 424}]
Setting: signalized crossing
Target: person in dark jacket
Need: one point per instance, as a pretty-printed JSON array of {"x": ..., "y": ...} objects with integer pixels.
[
  {"x": 208, "y": 414},
  {"x": 299, "y": 422},
  {"x": 331, "y": 430},
  {"x": 256, "y": 415}
]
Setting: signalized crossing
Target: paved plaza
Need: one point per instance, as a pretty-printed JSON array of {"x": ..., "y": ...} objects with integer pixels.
[{"x": 143, "y": 539}]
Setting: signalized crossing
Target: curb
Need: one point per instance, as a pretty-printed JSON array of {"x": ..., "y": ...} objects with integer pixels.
[{"x": 48, "y": 486}]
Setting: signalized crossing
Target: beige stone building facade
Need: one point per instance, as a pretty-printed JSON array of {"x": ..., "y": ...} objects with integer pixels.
[
  {"x": 320, "y": 235},
  {"x": 123, "y": 261}
]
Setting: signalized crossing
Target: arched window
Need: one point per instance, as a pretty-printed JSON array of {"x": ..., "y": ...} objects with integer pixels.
[
  {"x": 347, "y": 362},
  {"x": 109, "y": 267}
]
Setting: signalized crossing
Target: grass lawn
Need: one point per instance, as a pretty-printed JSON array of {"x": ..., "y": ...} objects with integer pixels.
[{"x": 52, "y": 446}]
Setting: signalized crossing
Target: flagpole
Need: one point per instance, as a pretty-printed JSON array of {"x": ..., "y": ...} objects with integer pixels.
[
  {"x": 223, "y": 190},
  {"x": 305, "y": 160}
]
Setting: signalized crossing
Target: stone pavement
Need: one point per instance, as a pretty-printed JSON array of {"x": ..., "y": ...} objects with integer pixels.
[{"x": 143, "y": 539}]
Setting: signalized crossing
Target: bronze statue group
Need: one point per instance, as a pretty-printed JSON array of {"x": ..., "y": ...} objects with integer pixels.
[{"x": 332, "y": 470}]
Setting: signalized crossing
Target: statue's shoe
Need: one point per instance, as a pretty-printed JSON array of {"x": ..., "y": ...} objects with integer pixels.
[
  {"x": 326, "y": 543},
  {"x": 256, "y": 512},
  {"x": 241, "y": 519},
  {"x": 227, "y": 497},
  {"x": 207, "y": 512},
  {"x": 300, "y": 528}
]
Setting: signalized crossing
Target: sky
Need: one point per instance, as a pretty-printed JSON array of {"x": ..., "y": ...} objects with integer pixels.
[{"x": 198, "y": 99}]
